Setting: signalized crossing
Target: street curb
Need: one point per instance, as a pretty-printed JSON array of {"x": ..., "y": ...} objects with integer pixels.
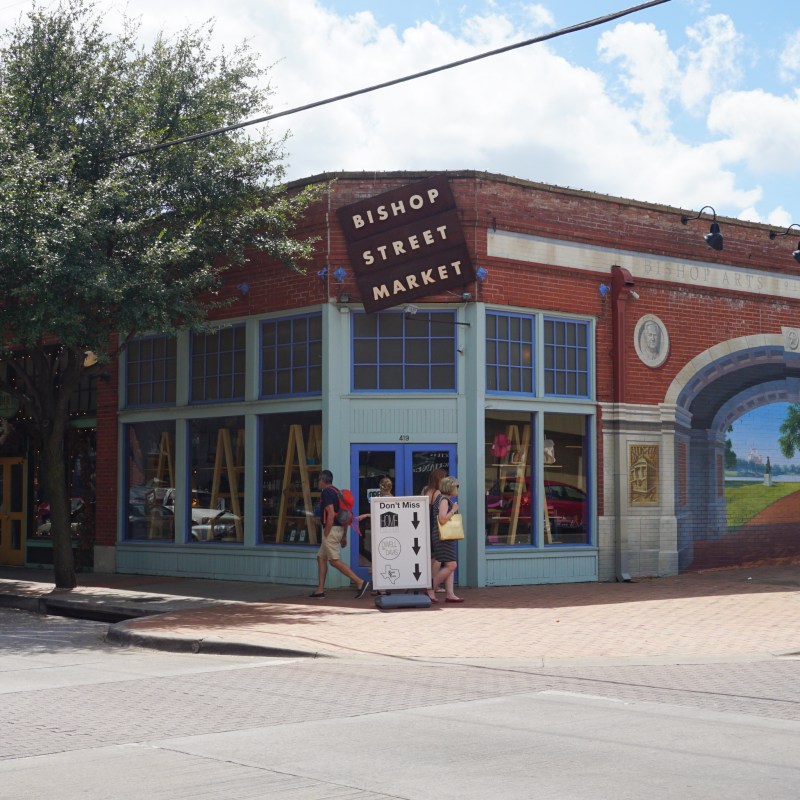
[
  {"x": 117, "y": 616},
  {"x": 175, "y": 644},
  {"x": 76, "y": 609},
  {"x": 22, "y": 602}
]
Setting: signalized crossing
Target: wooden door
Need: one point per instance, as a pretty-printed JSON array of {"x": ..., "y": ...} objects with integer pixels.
[{"x": 13, "y": 488}]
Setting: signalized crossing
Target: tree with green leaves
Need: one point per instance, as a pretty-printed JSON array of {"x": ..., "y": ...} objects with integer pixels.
[
  {"x": 102, "y": 239},
  {"x": 730, "y": 453},
  {"x": 789, "y": 439}
]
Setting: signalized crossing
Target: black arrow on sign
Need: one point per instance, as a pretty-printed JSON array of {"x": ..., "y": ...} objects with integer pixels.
[
  {"x": 417, "y": 573},
  {"x": 415, "y": 521},
  {"x": 416, "y": 548}
]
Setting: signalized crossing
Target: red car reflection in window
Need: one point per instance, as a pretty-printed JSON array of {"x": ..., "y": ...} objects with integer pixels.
[{"x": 566, "y": 504}]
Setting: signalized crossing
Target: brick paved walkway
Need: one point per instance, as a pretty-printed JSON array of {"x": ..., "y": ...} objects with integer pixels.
[{"x": 725, "y": 614}]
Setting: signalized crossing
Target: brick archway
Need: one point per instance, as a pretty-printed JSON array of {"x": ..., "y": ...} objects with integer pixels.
[{"x": 710, "y": 392}]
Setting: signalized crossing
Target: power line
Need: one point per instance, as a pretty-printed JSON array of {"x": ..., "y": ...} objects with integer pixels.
[{"x": 562, "y": 32}]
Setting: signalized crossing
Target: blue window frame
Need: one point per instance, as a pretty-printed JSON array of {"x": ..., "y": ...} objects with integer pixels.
[
  {"x": 566, "y": 357},
  {"x": 398, "y": 352},
  {"x": 291, "y": 356},
  {"x": 150, "y": 372},
  {"x": 218, "y": 365},
  {"x": 509, "y": 353}
]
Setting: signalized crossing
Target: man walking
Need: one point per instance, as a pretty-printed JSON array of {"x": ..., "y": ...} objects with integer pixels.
[{"x": 333, "y": 536}]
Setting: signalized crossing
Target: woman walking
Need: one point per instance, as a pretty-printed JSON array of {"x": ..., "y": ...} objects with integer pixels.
[
  {"x": 444, "y": 550},
  {"x": 431, "y": 491}
]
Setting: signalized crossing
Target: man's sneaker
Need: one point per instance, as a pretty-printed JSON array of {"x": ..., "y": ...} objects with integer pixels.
[
  {"x": 365, "y": 587},
  {"x": 318, "y": 595}
]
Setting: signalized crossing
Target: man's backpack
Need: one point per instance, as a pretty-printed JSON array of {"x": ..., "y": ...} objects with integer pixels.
[{"x": 344, "y": 516}]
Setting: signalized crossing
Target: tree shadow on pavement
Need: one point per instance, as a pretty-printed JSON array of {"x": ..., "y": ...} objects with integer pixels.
[{"x": 26, "y": 633}]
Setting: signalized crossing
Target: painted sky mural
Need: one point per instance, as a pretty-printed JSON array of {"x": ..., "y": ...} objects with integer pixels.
[{"x": 755, "y": 436}]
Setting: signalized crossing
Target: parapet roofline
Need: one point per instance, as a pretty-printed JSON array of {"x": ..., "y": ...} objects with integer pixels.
[{"x": 415, "y": 175}]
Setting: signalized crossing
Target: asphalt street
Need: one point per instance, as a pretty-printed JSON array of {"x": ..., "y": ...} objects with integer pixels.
[{"x": 85, "y": 719}]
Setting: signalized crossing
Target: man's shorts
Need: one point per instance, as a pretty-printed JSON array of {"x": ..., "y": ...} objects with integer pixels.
[{"x": 329, "y": 547}]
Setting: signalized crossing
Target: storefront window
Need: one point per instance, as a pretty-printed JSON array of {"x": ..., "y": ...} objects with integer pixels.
[
  {"x": 150, "y": 460},
  {"x": 565, "y": 458},
  {"x": 217, "y": 480},
  {"x": 291, "y": 356},
  {"x": 396, "y": 351},
  {"x": 150, "y": 373},
  {"x": 566, "y": 358},
  {"x": 560, "y": 462},
  {"x": 509, "y": 353},
  {"x": 291, "y": 458},
  {"x": 218, "y": 365},
  {"x": 509, "y": 519}
]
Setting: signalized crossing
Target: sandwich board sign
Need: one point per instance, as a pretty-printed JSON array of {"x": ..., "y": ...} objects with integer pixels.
[{"x": 401, "y": 544}]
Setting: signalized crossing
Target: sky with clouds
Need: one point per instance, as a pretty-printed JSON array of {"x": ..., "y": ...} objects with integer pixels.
[{"x": 688, "y": 103}]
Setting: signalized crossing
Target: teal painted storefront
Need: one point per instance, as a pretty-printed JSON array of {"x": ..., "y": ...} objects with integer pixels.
[{"x": 456, "y": 420}]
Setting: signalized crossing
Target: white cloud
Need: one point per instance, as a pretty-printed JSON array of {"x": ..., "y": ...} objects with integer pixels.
[
  {"x": 779, "y": 217},
  {"x": 711, "y": 60},
  {"x": 789, "y": 58},
  {"x": 761, "y": 129},
  {"x": 649, "y": 70},
  {"x": 539, "y": 16}
]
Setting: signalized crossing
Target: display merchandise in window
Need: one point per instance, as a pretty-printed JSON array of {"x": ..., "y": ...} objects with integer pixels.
[
  {"x": 151, "y": 483},
  {"x": 565, "y": 468},
  {"x": 291, "y": 448},
  {"x": 217, "y": 496},
  {"x": 509, "y": 518},
  {"x": 519, "y": 471}
]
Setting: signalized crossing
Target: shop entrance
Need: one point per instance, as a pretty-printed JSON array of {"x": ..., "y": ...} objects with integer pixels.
[
  {"x": 408, "y": 466},
  {"x": 12, "y": 510}
]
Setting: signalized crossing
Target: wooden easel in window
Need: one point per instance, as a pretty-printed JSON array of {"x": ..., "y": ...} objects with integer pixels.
[
  {"x": 314, "y": 444},
  {"x": 296, "y": 470},
  {"x": 165, "y": 450},
  {"x": 233, "y": 467},
  {"x": 164, "y": 477}
]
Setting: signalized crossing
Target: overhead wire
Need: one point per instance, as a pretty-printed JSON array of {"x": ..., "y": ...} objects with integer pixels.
[{"x": 375, "y": 87}]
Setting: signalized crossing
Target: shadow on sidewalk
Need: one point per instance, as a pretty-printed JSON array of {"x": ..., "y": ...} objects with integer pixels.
[
  {"x": 241, "y": 604},
  {"x": 340, "y": 606}
]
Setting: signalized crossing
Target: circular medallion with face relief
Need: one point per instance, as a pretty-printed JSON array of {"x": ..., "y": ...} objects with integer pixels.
[{"x": 651, "y": 340}]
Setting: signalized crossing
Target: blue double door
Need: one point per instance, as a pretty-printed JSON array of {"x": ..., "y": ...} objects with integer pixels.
[{"x": 409, "y": 467}]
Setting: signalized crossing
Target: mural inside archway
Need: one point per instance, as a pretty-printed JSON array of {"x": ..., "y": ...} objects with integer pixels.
[
  {"x": 762, "y": 490},
  {"x": 737, "y": 492}
]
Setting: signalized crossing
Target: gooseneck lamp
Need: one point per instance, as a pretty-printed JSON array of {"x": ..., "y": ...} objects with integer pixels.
[
  {"x": 713, "y": 237},
  {"x": 796, "y": 253}
]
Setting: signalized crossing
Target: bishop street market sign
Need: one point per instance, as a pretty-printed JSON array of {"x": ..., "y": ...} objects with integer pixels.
[{"x": 406, "y": 243}]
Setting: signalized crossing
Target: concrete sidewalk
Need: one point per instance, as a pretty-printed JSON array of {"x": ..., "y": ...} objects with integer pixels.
[{"x": 744, "y": 613}]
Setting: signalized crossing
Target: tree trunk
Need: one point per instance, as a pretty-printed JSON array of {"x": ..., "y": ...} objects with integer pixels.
[{"x": 54, "y": 485}]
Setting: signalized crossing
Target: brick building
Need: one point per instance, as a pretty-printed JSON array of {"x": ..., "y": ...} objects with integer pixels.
[{"x": 575, "y": 359}]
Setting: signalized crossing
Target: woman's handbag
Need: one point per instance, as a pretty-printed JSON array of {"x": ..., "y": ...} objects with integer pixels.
[{"x": 452, "y": 529}]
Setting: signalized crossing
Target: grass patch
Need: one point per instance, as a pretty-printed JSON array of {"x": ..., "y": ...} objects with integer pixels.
[{"x": 745, "y": 501}]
